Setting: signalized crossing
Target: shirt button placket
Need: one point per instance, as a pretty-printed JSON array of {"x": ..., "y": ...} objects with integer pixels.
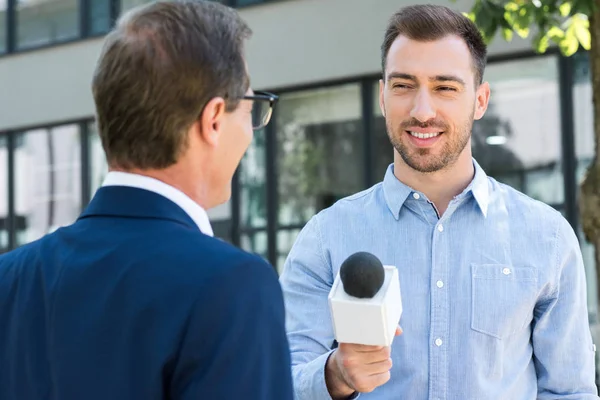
[{"x": 439, "y": 312}]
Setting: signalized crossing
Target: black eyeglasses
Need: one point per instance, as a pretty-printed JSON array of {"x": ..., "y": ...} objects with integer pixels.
[{"x": 262, "y": 108}]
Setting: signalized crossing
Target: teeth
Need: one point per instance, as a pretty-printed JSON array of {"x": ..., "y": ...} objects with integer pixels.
[{"x": 424, "y": 135}]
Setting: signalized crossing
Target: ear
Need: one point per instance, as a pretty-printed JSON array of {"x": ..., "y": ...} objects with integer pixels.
[
  {"x": 482, "y": 100},
  {"x": 211, "y": 121},
  {"x": 381, "y": 102}
]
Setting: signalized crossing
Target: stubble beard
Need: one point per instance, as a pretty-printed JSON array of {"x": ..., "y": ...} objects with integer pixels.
[{"x": 422, "y": 160}]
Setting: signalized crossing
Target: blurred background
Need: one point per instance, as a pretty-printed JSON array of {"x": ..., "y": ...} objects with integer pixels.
[{"x": 326, "y": 140}]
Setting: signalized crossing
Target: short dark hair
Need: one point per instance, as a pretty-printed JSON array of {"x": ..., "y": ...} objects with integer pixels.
[
  {"x": 425, "y": 22},
  {"x": 158, "y": 69}
]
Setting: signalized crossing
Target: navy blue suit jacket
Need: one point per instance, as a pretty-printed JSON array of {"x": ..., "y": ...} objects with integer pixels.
[{"x": 133, "y": 302}]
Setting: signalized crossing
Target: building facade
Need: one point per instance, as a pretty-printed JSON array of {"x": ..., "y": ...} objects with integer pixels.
[{"x": 326, "y": 140}]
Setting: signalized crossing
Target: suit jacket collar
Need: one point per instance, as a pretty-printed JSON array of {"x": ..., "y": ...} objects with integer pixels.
[{"x": 130, "y": 202}]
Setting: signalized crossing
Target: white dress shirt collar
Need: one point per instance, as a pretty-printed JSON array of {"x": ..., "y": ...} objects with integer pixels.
[{"x": 193, "y": 209}]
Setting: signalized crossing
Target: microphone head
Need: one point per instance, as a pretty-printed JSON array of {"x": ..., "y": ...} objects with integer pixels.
[{"x": 362, "y": 275}]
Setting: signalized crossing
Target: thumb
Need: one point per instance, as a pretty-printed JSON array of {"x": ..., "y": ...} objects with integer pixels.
[{"x": 398, "y": 331}]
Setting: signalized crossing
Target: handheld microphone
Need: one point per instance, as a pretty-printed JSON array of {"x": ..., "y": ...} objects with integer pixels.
[{"x": 365, "y": 301}]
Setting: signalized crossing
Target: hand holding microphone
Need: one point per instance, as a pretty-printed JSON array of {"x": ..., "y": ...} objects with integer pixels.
[{"x": 366, "y": 307}]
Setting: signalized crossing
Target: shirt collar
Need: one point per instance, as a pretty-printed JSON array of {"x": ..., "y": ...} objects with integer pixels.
[
  {"x": 396, "y": 192},
  {"x": 480, "y": 188},
  {"x": 193, "y": 209}
]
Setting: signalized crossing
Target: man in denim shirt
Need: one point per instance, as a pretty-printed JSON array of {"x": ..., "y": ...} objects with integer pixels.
[{"x": 493, "y": 283}]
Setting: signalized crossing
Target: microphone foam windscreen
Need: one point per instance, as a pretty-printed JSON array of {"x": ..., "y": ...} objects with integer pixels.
[{"x": 362, "y": 275}]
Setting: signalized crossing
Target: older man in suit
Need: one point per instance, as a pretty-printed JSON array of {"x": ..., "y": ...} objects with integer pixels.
[{"x": 136, "y": 299}]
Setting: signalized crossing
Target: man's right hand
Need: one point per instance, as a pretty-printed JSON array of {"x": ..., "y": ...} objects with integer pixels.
[{"x": 357, "y": 368}]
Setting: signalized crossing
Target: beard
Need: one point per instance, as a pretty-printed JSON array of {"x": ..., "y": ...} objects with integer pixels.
[{"x": 423, "y": 159}]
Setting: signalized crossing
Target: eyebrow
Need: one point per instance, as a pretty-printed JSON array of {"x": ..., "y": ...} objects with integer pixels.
[{"x": 437, "y": 78}]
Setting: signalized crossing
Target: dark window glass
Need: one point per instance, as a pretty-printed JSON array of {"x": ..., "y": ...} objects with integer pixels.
[
  {"x": 41, "y": 22},
  {"x": 518, "y": 141},
  {"x": 320, "y": 155},
  {"x": 3, "y": 16},
  {"x": 4, "y": 225},
  {"x": 47, "y": 180},
  {"x": 584, "y": 151},
  {"x": 99, "y": 14}
]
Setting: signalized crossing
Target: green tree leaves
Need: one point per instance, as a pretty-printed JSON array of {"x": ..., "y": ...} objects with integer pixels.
[{"x": 564, "y": 23}]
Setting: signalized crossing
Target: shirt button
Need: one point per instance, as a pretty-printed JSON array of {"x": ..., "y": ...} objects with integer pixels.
[
  {"x": 416, "y": 196},
  {"x": 506, "y": 271},
  {"x": 440, "y": 284},
  {"x": 441, "y": 228},
  {"x": 438, "y": 342}
]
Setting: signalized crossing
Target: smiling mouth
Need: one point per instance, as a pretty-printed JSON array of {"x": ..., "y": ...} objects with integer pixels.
[{"x": 424, "y": 135}]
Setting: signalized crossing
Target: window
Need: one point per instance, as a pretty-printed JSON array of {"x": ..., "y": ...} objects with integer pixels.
[
  {"x": 47, "y": 180},
  {"x": 584, "y": 153},
  {"x": 253, "y": 196},
  {"x": 255, "y": 242},
  {"x": 518, "y": 141},
  {"x": 3, "y": 23},
  {"x": 241, "y": 3},
  {"x": 252, "y": 178},
  {"x": 98, "y": 166},
  {"x": 220, "y": 221},
  {"x": 584, "y": 114},
  {"x": 319, "y": 135},
  {"x": 129, "y": 4},
  {"x": 41, "y": 22},
  {"x": 99, "y": 16},
  {"x": 4, "y": 225},
  {"x": 383, "y": 151}
]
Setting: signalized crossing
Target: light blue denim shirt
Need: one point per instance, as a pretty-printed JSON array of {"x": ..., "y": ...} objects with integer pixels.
[{"x": 494, "y": 294}]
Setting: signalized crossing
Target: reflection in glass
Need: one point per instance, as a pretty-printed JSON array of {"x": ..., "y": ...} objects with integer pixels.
[
  {"x": 285, "y": 241},
  {"x": 47, "y": 180},
  {"x": 319, "y": 150},
  {"x": 518, "y": 141},
  {"x": 41, "y": 22},
  {"x": 255, "y": 242},
  {"x": 4, "y": 225},
  {"x": 241, "y": 3},
  {"x": 98, "y": 166},
  {"x": 128, "y": 4},
  {"x": 383, "y": 151},
  {"x": 589, "y": 261},
  {"x": 584, "y": 152},
  {"x": 220, "y": 221},
  {"x": 252, "y": 179},
  {"x": 99, "y": 15},
  {"x": 584, "y": 114},
  {"x": 3, "y": 44}
]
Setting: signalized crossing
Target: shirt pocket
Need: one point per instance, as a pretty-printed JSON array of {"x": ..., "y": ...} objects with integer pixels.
[{"x": 502, "y": 298}]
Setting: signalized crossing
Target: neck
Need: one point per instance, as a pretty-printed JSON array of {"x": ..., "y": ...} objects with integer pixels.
[
  {"x": 177, "y": 177},
  {"x": 442, "y": 186}
]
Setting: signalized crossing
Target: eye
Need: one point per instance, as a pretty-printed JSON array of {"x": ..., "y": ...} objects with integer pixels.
[
  {"x": 447, "y": 89},
  {"x": 400, "y": 86}
]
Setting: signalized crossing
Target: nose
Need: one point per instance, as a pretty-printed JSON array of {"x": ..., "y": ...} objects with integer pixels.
[{"x": 423, "y": 109}]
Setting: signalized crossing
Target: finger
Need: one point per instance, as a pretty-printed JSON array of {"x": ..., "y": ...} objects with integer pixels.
[
  {"x": 399, "y": 331},
  {"x": 361, "y": 348},
  {"x": 378, "y": 367},
  {"x": 372, "y": 382},
  {"x": 380, "y": 379},
  {"x": 374, "y": 356}
]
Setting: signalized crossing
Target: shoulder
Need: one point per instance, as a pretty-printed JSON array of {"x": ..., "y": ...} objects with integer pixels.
[
  {"x": 523, "y": 207},
  {"x": 191, "y": 256},
  {"x": 25, "y": 254},
  {"x": 355, "y": 205},
  {"x": 532, "y": 220}
]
